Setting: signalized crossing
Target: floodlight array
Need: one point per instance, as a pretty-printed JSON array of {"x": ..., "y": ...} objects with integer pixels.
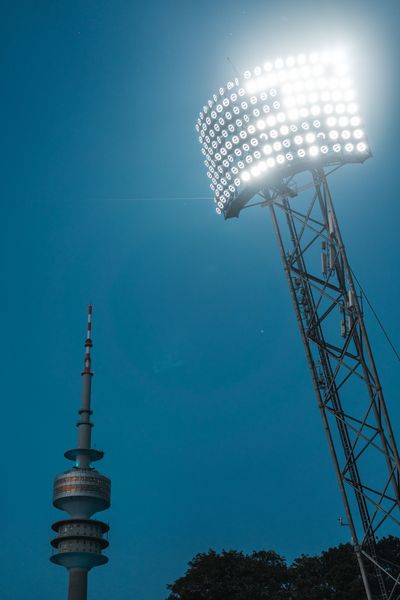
[{"x": 279, "y": 119}]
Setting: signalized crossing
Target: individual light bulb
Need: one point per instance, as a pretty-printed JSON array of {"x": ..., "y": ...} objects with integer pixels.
[
  {"x": 287, "y": 88},
  {"x": 349, "y": 95},
  {"x": 301, "y": 99},
  {"x": 361, "y": 147},
  {"x": 318, "y": 70},
  {"x": 298, "y": 86},
  {"x": 352, "y": 108},
  {"x": 289, "y": 101},
  {"x": 267, "y": 149},
  {"x": 262, "y": 83},
  {"x": 313, "y": 151},
  {"x": 309, "y": 85},
  {"x": 336, "y": 96}
]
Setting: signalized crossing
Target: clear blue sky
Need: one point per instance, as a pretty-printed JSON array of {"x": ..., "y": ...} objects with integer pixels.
[{"x": 202, "y": 398}]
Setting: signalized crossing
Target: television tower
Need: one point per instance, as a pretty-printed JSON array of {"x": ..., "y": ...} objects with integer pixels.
[
  {"x": 275, "y": 135},
  {"x": 81, "y": 492}
]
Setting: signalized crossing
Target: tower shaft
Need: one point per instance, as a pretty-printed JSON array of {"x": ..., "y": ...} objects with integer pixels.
[
  {"x": 328, "y": 306},
  {"x": 77, "y": 584}
]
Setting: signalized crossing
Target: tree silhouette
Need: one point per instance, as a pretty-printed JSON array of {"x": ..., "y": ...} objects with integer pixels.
[
  {"x": 233, "y": 576},
  {"x": 264, "y": 575}
]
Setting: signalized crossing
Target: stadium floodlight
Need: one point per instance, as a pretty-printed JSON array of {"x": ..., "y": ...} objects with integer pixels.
[
  {"x": 258, "y": 134},
  {"x": 301, "y": 112}
]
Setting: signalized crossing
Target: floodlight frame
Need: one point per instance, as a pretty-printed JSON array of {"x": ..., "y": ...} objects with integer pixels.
[
  {"x": 346, "y": 381},
  {"x": 245, "y": 117}
]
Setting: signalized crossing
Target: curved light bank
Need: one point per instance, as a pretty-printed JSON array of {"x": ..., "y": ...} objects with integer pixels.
[{"x": 279, "y": 119}]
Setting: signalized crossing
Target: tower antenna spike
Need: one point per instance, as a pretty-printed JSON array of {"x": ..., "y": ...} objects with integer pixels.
[{"x": 88, "y": 343}]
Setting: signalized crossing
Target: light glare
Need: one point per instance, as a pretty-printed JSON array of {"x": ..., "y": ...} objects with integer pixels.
[{"x": 305, "y": 103}]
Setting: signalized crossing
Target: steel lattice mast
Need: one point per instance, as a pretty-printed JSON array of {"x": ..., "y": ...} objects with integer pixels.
[
  {"x": 257, "y": 134},
  {"x": 330, "y": 317}
]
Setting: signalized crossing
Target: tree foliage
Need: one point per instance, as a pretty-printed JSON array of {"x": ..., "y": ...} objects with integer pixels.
[
  {"x": 233, "y": 576},
  {"x": 265, "y": 575}
]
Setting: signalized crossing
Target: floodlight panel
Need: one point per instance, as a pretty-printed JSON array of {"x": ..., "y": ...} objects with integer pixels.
[{"x": 281, "y": 118}]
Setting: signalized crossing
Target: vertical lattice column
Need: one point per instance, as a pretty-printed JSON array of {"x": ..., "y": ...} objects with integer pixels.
[{"x": 329, "y": 313}]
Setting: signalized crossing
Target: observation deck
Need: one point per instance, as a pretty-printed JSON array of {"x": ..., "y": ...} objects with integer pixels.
[
  {"x": 82, "y": 492},
  {"x": 79, "y": 543}
]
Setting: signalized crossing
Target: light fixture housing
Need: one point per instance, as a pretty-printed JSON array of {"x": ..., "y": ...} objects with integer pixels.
[{"x": 279, "y": 119}]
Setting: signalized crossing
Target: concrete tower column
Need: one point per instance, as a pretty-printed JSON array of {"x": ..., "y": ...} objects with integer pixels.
[
  {"x": 81, "y": 492},
  {"x": 77, "y": 587}
]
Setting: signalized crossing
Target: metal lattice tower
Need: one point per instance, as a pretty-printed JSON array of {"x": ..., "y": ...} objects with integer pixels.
[
  {"x": 319, "y": 139},
  {"x": 81, "y": 492}
]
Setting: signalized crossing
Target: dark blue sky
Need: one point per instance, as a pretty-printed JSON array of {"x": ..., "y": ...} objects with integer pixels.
[{"x": 202, "y": 398}]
